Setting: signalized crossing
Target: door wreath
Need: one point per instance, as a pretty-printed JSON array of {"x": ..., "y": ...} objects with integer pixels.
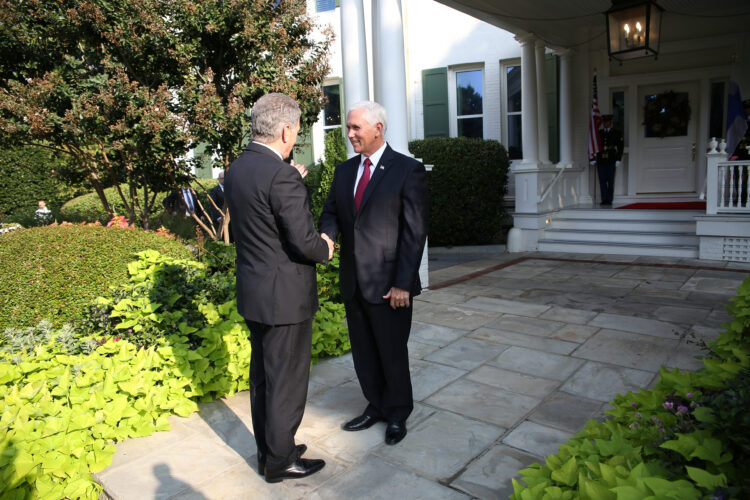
[{"x": 667, "y": 114}]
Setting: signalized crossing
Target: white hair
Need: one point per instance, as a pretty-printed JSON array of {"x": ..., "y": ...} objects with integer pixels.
[{"x": 374, "y": 113}]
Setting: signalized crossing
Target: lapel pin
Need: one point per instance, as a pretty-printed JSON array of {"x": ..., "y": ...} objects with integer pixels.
[{"x": 381, "y": 167}]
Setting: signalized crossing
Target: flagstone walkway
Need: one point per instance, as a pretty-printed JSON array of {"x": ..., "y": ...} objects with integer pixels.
[{"x": 510, "y": 355}]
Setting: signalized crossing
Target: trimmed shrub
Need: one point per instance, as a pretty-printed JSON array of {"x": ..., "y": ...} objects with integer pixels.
[
  {"x": 321, "y": 176},
  {"x": 28, "y": 176},
  {"x": 53, "y": 272},
  {"x": 467, "y": 186}
]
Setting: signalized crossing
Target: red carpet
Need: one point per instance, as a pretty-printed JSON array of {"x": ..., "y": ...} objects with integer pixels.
[{"x": 668, "y": 205}]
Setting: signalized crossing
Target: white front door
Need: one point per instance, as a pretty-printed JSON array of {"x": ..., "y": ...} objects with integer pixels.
[{"x": 665, "y": 148}]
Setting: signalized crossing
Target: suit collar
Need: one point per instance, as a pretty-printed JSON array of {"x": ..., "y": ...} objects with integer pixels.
[
  {"x": 378, "y": 173},
  {"x": 262, "y": 148}
]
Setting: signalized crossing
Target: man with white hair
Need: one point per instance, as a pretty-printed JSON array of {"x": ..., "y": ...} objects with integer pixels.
[
  {"x": 378, "y": 204},
  {"x": 277, "y": 249}
]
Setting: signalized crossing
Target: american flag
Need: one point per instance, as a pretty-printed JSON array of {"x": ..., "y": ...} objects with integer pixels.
[{"x": 594, "y": 124}]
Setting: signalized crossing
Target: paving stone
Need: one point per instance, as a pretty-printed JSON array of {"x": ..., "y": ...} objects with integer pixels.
[
  {"x": 632, "y": 350},
  {"x": 330, "y": 374},
  {"x": 434, "y": 334},
  {"x": 453, "y": 317},
  {"x": 171, "y": 469},
  {"x": 376, "y": 479},
  {"x": 483, "y": 402},
  {"x": 524, "y": 340},
  {"x": 685, "y": 357},
  {"x": 442, "y": 445},
  {"x": 626, "y": 323},
  {"x": 506, "y": 306},
  {"x": 537, "y": 363},
  {"x": 575, "y": 333},
  {"x": 566, "y": 315},
  {"x": 343, "y": 360},
  {"x": 513, "y": 381},
  {"x": 327, "y": 412},
  {"x": 427, "y": 377},
  {"x": 536, "y": 439},
  {"x": 489, "y": 476},
  {"x": 726, "y": 286},
  {"x": 237, "y": 483},
  {"x": 522, "y": 324},
  {"x": 443, "y": 296},
  {"x": 603, "y": 382},
  {"x": 418, "y": 350},
  {"x": 687, "y": 315},
  {"x": 566, "y": 411},
  {"x": 466, "y": 353}
]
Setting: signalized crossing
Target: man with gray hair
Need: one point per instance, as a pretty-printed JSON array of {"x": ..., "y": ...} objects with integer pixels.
[
  {"x": 277, "y": 249},
  {"x": 378, "y": 204}
]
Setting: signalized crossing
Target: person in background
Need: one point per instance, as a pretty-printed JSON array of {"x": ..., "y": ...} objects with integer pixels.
[
  {"x": 608, "y": 158},
  {"x": 43, "y": 215}
]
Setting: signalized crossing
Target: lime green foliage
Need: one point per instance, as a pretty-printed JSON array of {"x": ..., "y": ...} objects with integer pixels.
[
  {"x": 54, "y": 272},
  {"x": 330, "y": 335},
  {"x": 322, "y": 174},
  {"x": 88, "y": 208},
  {"x": 467, "y": 184},
  {"x": 687, "y": 438}
]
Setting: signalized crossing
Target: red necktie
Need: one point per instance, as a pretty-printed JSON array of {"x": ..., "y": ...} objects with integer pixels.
[{"x": 359, "y": 193}]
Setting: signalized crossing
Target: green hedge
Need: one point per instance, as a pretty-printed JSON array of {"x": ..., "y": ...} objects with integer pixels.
[
  {"x": 467, "y": 186},
  {"x": 688, "y": 438},
  {"x": 53, "y": 272},
  {"x": 29, "y": 175}
]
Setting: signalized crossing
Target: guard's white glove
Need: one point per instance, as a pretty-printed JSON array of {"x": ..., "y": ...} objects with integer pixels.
[
  {"x": 592, "y": 163},
  {"x": 617, "y": 164}
]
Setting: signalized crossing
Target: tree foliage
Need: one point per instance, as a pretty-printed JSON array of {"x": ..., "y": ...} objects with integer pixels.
[{"x": 128, "y": 88}]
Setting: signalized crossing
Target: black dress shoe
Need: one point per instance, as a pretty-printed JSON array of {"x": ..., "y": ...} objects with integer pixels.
[
  {"x": 395, "y": 432},
  {"x": 361, "y": 423},
  {"x": 300, "y": 449},
  {"x": 302, "y": 467}
]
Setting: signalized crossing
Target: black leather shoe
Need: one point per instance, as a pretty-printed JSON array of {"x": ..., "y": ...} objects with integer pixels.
[
  {"x": 300, "y": 449},
  {"x": 302, "y": 467},
  {"x": 395, "y": 432},
  {"x": 361, "y": 423}
]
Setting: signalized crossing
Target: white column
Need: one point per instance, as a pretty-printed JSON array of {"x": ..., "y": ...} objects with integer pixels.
[
  {"x": 566, "y": 109},
  {"x": 354, "y": 56},
  {"x": 541, "y": 97},
  {"x": 389, "y": 70},
  {"x": 529, "y": 116}
]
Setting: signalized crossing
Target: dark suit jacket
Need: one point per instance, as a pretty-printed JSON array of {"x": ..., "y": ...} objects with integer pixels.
[
  {"x": 217, "y": 194},
  {"x": 175, "y": 202},
  {"x": 277, "y": 244},
  {"x": 612, "y": 147},
  {"x": 382, "y": 243}
]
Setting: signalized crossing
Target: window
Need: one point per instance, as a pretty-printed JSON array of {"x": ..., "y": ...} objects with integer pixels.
[
  {"x": 469, "y": 115},
  {"x": 332, "y": 108},
  {"x": 717, "y": 110},
  {"x": 618, "y": 113},
  {"x": 512, "y": 134},
  {"x": 324, "y": 5}
]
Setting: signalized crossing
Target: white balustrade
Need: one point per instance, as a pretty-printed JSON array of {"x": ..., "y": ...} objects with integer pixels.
[{"x": 726, "y": 183}]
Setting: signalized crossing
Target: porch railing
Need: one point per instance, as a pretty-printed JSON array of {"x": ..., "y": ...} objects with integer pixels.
[{"x": 726, "y": 184}]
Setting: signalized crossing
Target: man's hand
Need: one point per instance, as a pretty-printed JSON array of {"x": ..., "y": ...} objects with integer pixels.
[
  {"x": 330, "y": 244},
  {"x": 300, "y": 168},
  {"x": 398, "y": 297}
]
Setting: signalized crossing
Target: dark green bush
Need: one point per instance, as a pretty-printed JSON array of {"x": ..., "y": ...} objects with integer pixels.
[
  {"x": 53, "y": 272},
  {"x": 467, "y": 186},
  {"x": 28, "y": 175},
  {"x": 321, "y": 175}
]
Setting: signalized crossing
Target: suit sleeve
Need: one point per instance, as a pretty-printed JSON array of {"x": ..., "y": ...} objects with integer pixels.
[
  {"x": 328, "y": 222},
  {"x": 290, "y": 206},
  {"x": 414, "y": 220}
]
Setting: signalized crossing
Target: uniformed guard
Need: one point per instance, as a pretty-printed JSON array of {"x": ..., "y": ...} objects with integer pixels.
[{"x": 608, "y": 158}]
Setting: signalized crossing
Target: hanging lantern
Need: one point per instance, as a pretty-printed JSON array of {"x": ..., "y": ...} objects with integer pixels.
[{"x": 633, "y": 29}]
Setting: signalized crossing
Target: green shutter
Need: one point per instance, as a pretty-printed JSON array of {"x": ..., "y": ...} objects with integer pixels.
[
  {"x": 553, "y": 106},
  {"x": 435, "y": 102},
  {"x": 303, "y": 149},
  {"x": 203, "y": 168}
]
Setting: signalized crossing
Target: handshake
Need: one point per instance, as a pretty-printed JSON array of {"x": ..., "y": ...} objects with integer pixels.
[{"x": 331, "y": 246}]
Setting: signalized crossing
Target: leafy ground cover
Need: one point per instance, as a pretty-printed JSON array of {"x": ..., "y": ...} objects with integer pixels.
[
  {"x": 54, "y": 272},
  {"x": 156, "y": 345},
  {"x": 688, "y": 438}
]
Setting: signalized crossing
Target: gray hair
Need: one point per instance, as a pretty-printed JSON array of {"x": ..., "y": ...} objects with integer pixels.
[
  {"x": 374, "y": 113},
  {"x": 270, "y": 114}
]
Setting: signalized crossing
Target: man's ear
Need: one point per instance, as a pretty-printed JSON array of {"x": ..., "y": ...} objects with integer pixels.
[{"x": 379, "y": 126}]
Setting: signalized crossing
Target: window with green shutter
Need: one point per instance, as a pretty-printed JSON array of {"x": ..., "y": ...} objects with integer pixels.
[{"x": 435, "y": 102}]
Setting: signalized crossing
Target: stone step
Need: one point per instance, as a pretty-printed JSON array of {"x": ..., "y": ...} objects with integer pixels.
[
  {"x": 641, "y": 225},
  {"x": 610, "y": 214},
  {"x": 603, "y": 236},
  {"x": 617, "y": 248}
]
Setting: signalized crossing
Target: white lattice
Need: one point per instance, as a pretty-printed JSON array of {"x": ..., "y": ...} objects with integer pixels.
[{"x": 736, "y": 249}]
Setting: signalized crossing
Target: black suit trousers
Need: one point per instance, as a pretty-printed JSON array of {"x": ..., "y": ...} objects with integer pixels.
[
  {"x": 606, "y": 173},
  {"x": 379, "y": 335},
  {"x": 279, "y": 375}
]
